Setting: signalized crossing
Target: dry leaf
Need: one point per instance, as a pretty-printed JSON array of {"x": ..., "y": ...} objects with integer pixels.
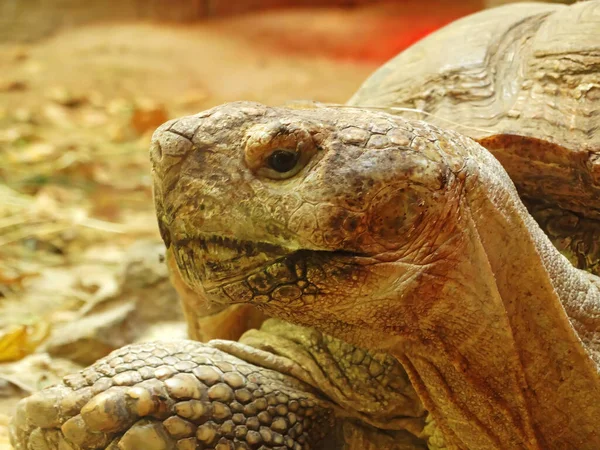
[
  {"x": 18, "y": 341},
  {"x": 148, "y": 118}
]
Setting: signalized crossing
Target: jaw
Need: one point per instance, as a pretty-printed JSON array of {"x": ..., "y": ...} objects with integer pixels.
[{"x": 210, "y": 261}]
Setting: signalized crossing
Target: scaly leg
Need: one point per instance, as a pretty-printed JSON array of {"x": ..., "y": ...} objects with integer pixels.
[{"x": 173, "y": 395}]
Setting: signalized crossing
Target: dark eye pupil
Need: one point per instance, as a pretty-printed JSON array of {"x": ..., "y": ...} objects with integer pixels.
[{"x": 283, "y": 160}]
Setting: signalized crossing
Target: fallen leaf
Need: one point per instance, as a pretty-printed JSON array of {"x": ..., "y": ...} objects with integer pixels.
[
  {"x": 149, "y": 117},
  {"x": 18, "y": 341},
  {"x": 36, "y": 372}
]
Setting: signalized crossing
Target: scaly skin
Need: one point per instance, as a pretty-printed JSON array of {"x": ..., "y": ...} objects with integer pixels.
[
  {"x": 179, "y": 394},
  {"x": 396, "y": 236},
  {"x": 367, "y": 384},
  {"x": 230, "y": 395}
]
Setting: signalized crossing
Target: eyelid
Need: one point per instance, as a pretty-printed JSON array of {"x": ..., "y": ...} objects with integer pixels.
[{"x": 264, "y": 139}]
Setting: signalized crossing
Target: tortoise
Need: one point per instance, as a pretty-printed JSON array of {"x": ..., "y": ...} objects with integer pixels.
[{"x": 443, "y": 316}]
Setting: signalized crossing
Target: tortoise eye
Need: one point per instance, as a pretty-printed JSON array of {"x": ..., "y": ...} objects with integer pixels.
[
  {"x": 283, "y": 161},
  {"x": 278, "y": 151}
]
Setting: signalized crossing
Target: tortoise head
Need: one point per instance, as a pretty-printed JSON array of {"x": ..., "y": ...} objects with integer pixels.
[{"x": 314, "y": 215}]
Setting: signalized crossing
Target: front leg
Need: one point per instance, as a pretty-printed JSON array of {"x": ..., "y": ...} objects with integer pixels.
[{"x": 180, "y": 395}]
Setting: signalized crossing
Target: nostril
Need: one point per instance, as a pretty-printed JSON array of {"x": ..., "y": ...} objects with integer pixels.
[{"x": 156, "y": 152}]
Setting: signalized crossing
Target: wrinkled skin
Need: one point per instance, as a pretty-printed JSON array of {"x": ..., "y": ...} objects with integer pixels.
[
  {"x": 523, "y": 81},
  {"x": 396, "y": 236}
]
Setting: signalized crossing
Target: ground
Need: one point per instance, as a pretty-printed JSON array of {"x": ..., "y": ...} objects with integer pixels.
[{"x": 80, "y": 272}]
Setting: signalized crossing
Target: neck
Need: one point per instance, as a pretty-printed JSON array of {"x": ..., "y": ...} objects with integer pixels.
[{"x": 513, "y": 361}]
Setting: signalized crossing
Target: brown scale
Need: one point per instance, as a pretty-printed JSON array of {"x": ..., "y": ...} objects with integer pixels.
[{"x": 189, "y": 396}]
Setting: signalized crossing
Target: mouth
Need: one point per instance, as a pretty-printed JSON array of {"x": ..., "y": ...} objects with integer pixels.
[
  {"x": 209, "y": 262},
  {"x": 213, "y": 260}
]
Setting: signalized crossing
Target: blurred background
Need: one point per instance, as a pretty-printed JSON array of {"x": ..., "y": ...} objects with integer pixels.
[
  {"x": 83, "y": 84},
  {"x": 31, "y": 19}
]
